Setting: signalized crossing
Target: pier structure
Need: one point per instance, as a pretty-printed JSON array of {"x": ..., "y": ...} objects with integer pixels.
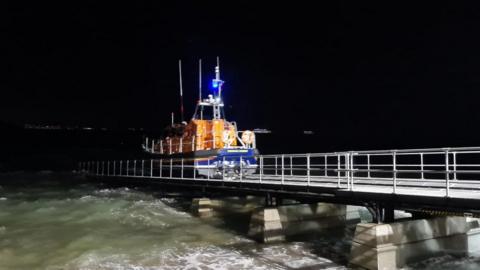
[{"x": 440, "y": 187}]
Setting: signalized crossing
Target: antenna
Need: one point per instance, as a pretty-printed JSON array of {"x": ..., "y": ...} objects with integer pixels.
[
  {"x": 217, "y": 75},
  {"x": 200, "y": 79},
  {"x": 218, "y": 66},
  {"x": 217, "y": 85},
  {"x": 181, "y": 88}
]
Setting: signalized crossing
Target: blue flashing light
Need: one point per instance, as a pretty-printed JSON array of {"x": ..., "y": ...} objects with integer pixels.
[{"x": 216, "y": 83}]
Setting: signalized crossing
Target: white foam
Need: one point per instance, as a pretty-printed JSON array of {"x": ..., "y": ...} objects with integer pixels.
[
  {"x": 168, "y": 200},
  {"x": 208, "y": 257},
  {"x": 446, "y": 262},
  {"x": 296, "y": 255},
  {"x": 87, "y": 198}
]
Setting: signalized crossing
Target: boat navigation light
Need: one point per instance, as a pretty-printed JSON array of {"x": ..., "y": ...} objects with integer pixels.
[{"x": 216, "y": 84}]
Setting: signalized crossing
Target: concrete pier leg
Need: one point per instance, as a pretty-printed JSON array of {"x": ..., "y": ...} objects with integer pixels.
[
  {"x": 473, "y": 237},
  {"x": 272, "y": 224},
  {"x": 266, "y": 226},
  {"x": 391, "y": 246},
  {"x": 202, "y": 207},
  {"x": 306, "y": 218}
]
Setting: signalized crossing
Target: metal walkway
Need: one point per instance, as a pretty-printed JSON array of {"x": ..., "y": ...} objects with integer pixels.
[{"x": 440, "y": 178}]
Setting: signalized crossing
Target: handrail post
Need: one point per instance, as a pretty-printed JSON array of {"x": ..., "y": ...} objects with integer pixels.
[
  {"x": 194, "y": 169},
  {"x": 170, "y": 146},
  {"x": 153, "y": 146},
  {"x": 422, "y": 166},
  {"x": 161, "y": 168},
  {"x": 151, "y": 167},
  {"x": 171, "y": 168},
  {"x": 223, "y": 168},
  {"x": 103, "y": 168},
  {"x": 347, "y": 168},
  {"x": 394, "y": 156},
  {"x": 283, "y": 169},
  {"x": 326, "y": 165},
  {"x": 108, "y": 167},
  {"x": 261, "y": 168},
  {"x": 114, "y": 168},
  {"x": 352, "y": 166},
  {"x": 276, "y": 165},
  {"x": 308, "y": 169},
  {"x": 181, "y": 167},
  {"x": 368, "y": 166},
  {"x": 181, "y": 146},
  {"x": 143, "y": 167},
  {"x": 193, "y": 143},
  {"x": 454, "y": 165},
  {"x": 128, "y": 161},
  {"x": 208, "y": 168},
  {"x": 121, "y": 161},
  {"x": 134, "y": 167},
  {"x": 241, "y": 169},
  {"x": 291, "y": 166},
  {"x": 161, "y": 146},
  {"x": 338, "y": 170},
  {"x": 98, "y": 167},
  {"x": 447, "y": 174}
]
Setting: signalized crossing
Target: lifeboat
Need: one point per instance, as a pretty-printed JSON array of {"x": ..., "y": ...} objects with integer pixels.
[{"x": 208, "y": 142}]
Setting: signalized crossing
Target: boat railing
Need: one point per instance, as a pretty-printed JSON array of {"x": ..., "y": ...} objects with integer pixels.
[{"x": 169, "y": 147}]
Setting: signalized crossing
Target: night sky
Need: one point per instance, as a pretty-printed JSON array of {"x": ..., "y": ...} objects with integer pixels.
[{"x": 365, "y": 74}]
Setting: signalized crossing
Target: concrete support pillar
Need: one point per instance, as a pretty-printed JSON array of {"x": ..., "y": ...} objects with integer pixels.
[
  {"x": 306, "y": 218},
  {"x": 202, "y": 207},
  {"x": 266, "y": 226},
  {"x": 473, "y": 237},
  {"x": 391, "y": 246}
]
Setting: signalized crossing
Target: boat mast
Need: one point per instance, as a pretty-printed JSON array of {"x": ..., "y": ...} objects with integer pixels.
[
  {"x": 181, "y": 89},
  {"x": 200, "y": 86},
  {"x": 217, "y": 84}
]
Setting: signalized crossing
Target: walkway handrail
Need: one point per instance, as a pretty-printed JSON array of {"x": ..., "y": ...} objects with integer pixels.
[{"x": 430, "y": 171}]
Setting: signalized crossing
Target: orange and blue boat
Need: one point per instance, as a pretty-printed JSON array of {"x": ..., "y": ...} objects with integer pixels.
[{"x": 212, "y": 144}]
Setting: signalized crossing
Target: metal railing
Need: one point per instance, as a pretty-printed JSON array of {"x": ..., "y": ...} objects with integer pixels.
[
  {"x": 167, "y": 146},
  {"x": 449, "y": 172}
]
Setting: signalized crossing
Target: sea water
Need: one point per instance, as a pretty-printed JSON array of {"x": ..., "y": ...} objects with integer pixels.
[{"x": 57, "y": 221}]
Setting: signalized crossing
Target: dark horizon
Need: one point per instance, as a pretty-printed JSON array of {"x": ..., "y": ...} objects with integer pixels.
[{"x": 359, "y": 76}]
